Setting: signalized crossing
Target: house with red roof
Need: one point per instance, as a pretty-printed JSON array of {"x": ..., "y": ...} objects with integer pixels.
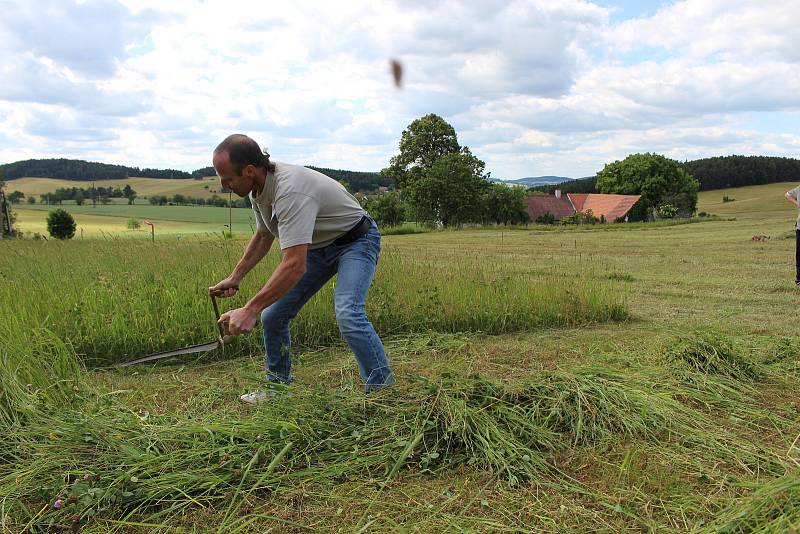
[{"x": 609, "y": 207}]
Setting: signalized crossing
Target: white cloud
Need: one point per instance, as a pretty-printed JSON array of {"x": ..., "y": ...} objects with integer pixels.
[{"x": 533, "y": 86}]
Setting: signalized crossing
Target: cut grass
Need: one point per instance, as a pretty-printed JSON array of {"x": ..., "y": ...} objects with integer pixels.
[
  {"x": 709, "y": 352},
  {"x": 111, "y": 462}
]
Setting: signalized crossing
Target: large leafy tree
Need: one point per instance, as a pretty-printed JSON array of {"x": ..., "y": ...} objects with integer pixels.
[
  {"x": 421, "y": 144},
  {"x": 658, "y": 179},
  {"x": 441, "y": 180},
  {"x": 450, "y": 191}
]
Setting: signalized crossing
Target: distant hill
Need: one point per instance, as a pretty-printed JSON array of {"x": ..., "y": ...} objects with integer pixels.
[
  {"x": 87, "y": 171},
  {"x": 736, "y": 171},
  {"x": 532, "y": 181},
  {"x": 78, "y": 169}
]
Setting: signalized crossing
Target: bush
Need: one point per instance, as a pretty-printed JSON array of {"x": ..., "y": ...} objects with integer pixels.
[
  {"x": 726, "y": 198},
  {"x": 667, "y": 211},
  {"x": 546, "y": 218},
  {"x": 387, "y": 209},
  {"x": 60, "y": 224},
  {"x": 586, "y": 217},
  {"x": 133, "y": 224}
]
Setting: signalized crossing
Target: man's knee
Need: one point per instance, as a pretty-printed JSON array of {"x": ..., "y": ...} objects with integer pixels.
[
  {"x": 273, "y": 318},
  {"x": 350, "y": 318}
]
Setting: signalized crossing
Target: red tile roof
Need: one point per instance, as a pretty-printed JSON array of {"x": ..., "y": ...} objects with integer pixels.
[
  {"x": 577, "y": 200},
  {"x": 611, "y": 206},
  {"x": 541, "y": 204}
]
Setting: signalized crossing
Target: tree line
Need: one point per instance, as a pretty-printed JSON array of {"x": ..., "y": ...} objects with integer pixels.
[
  {"x": 737, "y": 171},
  {"x": 711, "y": 173},
  {"x": 80, "y": 170},
  {"x": 81, "y": 194},
  {"x": 185, "y": 200}
]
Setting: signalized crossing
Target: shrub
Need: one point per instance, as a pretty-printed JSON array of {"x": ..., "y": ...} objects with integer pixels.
[
  {"x": 667, "y": 211},
  {"x": 60, "y": 224},
  {"x": 546, "y": 218}
]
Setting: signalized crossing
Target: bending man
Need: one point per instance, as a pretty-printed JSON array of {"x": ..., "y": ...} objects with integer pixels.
[{"x": 323, "y": 231}]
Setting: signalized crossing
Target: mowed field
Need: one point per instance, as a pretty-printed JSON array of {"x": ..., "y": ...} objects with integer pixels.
[
  {"x": 112, "y": 219},
  {"x": 144, "y": 187},
  {"x": 638, "y": 378},
  {"x": 170, "y": 221}
]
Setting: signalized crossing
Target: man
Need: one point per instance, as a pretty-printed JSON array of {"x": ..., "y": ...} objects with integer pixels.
[
  {"x": 323, "y": 231},
  {"x": 793, "y": 196}
]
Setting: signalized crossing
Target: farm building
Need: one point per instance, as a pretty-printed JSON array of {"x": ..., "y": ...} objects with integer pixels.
[{"x": 610, "y": 207}]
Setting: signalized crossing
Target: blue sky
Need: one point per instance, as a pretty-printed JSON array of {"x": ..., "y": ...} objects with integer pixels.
[
  {"x": 630, "y": 9},
  {"x": 533, "y": 87}
]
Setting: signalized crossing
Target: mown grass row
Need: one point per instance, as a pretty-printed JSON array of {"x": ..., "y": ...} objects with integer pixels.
[
  {"x": 116, "y": 301},
  {"x": 80, "y": 456}
]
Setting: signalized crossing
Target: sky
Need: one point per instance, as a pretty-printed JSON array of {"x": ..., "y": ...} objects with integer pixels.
[{"x": 533, "y": 87}]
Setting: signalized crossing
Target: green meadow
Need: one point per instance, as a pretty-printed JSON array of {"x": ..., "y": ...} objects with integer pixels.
[
  {"x": 144, "y": 187},
  {"x": 621, "y": 378}
]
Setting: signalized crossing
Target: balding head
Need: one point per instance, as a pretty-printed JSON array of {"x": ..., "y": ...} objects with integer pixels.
[
  {"x": 242, "y": 151},
  {"x": 241, "y": 165}
]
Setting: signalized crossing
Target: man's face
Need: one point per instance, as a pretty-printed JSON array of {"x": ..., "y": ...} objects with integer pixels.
[{"x": 241, "y": 184}]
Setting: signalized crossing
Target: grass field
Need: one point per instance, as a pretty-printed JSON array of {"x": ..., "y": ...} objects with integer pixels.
[
  {"x": 144, "y": 187},
  {"x": 549, "y": 380},
  {"x": 113, "y": 218}
]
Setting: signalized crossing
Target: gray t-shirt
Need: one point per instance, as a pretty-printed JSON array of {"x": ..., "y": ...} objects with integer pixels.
[
  {"x": 795, "y": 194},
  {"x": 302, "y": 206}
]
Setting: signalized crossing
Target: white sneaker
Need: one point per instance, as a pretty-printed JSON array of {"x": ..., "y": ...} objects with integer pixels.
[{"x": 257, "y": 397}]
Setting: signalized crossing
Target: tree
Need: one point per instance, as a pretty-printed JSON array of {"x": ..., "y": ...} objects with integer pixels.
[
  {"x": 505, "y": 205},
  {"x": 424, "y": 141},
  {"x": 15, "y": 197},
  {"x": 387, "y": 209},
  {"x": 79, "y": 198},
  {"x": 450, "y": 191},
  {"x": 129, "y": 193},
  {"x": 31, "y": 200},
  {"x": 441, "y": 180},
  {"x": 133, "y": 224},
  {"x": 60, "y": 224},
  {"x": 657, "y": 179}
]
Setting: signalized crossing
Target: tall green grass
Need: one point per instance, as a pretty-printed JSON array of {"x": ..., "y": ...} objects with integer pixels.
[
  {"x": 37, "y": 368},
  {"x": 116, "y": 300}
]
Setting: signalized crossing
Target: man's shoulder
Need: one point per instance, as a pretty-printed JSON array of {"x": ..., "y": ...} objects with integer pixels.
[
  {"x": 297, "y": 179},
  {"x": 288, "y": 169}
]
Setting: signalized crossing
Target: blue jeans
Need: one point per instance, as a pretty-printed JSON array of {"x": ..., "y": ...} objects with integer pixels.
[{"x": 354, "y": 264}]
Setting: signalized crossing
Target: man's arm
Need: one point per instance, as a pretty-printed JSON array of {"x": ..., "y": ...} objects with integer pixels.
[
  {"x": 793, "y": 200},
  {"x": 254, "y": 252},
  {"x": 288, "y": 272}
]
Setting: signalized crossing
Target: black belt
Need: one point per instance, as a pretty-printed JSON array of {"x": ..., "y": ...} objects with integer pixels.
[{"x": 361, "y": 228}]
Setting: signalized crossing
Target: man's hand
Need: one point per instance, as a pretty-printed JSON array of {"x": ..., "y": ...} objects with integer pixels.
[
  {"x": 226, "y": 288},
  {"x": 238, "y": 321}
]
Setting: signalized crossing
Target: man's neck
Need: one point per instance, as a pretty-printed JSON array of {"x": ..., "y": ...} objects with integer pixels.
[{"x": 260, "y": 182}]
